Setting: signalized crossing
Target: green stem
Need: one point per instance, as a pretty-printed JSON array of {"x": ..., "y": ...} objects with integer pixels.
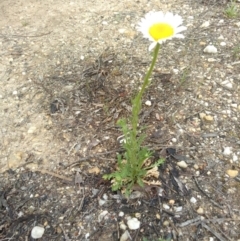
[{"x": 137, "y": 102}]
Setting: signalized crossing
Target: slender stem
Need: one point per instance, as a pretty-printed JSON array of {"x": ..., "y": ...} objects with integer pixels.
[{"x": 137, "y": 102}]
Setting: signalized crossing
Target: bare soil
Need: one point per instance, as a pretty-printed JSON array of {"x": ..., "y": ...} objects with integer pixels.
[{"x": 68, "y": 72}]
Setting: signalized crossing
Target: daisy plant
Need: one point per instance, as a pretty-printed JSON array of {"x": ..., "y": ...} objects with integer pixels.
[{"x": 132, "y": 165}]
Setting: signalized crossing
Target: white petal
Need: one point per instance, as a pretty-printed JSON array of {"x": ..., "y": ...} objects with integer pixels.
[{"x": 152, "y": 46}]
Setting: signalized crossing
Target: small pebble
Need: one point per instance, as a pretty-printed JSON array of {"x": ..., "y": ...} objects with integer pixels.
[
  {"x": 227, "y": 151},
  {"x": 171, "y": 202},
  {"x": 174, "y": 140},
  {"x": 121, "y": 214},
  {"x": 182, "y": 164},
  {"x": 138, "y": 215},
  {"x": 14, "y": 92},
  {"x": 125, "y": 236},
  {"x": 166, "y": 223},
  {"x": 210, "y": 49},
  {"x": 195, "y": 166},
  {"x": 178, "y": 209},
  {"x": 105, "y": 196},
  {"x": 102, "y": 215},
  {"x": 121, "y": 30},
  {"x": 133, "y": 224},
  {"x": 228, "y": 84},
  {"x": 123, "y": 226},
  {"x": 32, "y": 130},
  {"x": 208, "y": 118},
  {"x": 200, "y": 210},
  {"x": 165, "y": 206},
  {"x": 234, "y": 157},
  {"x": 148, "y": 103},
  {"x": 101, "y": 202},
  {"x": 158, "y": 216},
  {"x": 37, "y": 232},
  {"x": 232, "y": 173},
  {"x": 205, "y": 24},
  {"x": 193, "y": 200}
]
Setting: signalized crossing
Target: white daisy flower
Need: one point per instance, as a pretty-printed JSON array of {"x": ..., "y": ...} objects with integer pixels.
[{"x": 159, "y": 27}]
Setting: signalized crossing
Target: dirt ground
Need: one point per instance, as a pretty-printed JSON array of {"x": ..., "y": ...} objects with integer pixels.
[{"x": 68, "y": 71}]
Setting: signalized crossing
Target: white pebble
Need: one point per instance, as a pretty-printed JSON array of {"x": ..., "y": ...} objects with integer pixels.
[
  {"x": 102, "y": 215},
  {"x": 235, "y": 157},
  {"x": 227, "y": 84},
  {"x": 174, "y": 140},
  {"x": 227, "y": 151},
  {"x": 133, "y": 223},
  {"x": 200, "y": 210},
  {"x": 205, "y": 24},
  {"x": 104, "y": 22},
  {"x": 32, "y": 129},
  {"x": 101, "y": 202},
  {"x": 210, "y": 49},
  {"x": 121, "y": 214},
  {"x": 193, "y": 200},
  {"x": 14, "y": 92},
  {"x": 197, "y": 173},
  {"x": 121, "y": 30},
  {"x": 37, "y": 232},
  {"x": 122, "y": 226},
  {"x": 148, "y": 103},
  {"x": 182, "y": 164},
  {"x": 178, "y": 209},
  {"x": 125, "y": 236},
  {"x": 165, "y": 206},
  {"x": 105, "y": 196},
  {"x": 223, "y": 44}
]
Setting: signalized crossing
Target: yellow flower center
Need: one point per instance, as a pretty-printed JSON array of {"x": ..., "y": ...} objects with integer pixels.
[{"x": 161, "y": 31}]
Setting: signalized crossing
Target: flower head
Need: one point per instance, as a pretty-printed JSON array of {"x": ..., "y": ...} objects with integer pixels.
[{"x": 159, "y": 27}]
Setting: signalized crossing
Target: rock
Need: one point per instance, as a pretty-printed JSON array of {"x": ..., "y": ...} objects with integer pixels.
[
  {"x": 166, "y": 223},
  {"x": 195, "y": 166},
  {"x": 193, "y": 200},
  {"x": 232, "y": 173},
  {"x": 103, "y": 215},
  {"x": 101, "y": 202},
  {"x": 105, "y": 196},
  {"x": 210, "y": 49},
  {"x": 148, "y": 103},
  {"x": 227, "y": 151},
  {"x": 202, "y": 116},
  {"x": 133, "y": 223},
  {"x": 37, "y": 232},
  {"x": 200, "y": 210},
  {"x": 122, "y": 226},
  {"x": 14, "y": 160},
  {"x": 121, "y": 214},
  {"x": 178, "y": 209},
  {"x": 165, "y": 206},
  {"x": 182, "y": 164},
  {"x": 228, "y": 84},
  {"x": 205, "y": 24},
  {"x": 208, "y": 118},
  {"x": 94, "y": 170},
  {"x": 125, "y": 236},
  {"x": 32, "y": 130}
]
